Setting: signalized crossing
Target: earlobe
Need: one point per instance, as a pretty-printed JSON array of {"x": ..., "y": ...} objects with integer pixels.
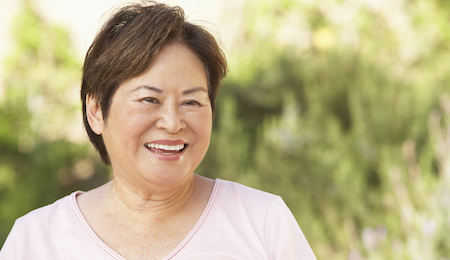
[{"x": 94, "y": 115}]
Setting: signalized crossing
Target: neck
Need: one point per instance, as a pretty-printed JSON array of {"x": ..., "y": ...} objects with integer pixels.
[{"x": 157, "y": 202}]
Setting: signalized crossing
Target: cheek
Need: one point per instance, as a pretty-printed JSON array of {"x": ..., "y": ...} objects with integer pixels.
[
  {"x": 202, "y": 126},
  {"x": 126, "y": 125}
]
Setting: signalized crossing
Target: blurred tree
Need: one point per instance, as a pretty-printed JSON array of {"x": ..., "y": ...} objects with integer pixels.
[
  {"x": 327, "y": 104},
  {"x": 43, "y": 155},
  {"x": 340, "y": 107}
]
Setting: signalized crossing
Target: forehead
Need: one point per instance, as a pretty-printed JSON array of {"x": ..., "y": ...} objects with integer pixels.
[{"x": 176, "y": 67}]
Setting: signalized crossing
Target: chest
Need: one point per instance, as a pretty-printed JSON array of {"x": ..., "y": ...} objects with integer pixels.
[{"x": 143, "y": 241}]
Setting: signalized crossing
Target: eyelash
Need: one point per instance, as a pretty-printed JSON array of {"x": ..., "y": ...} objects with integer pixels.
[
  {"x": 151, "y": 100},
  {"x": 192, "y": 103},
  {"x": 156, "y": 101}
]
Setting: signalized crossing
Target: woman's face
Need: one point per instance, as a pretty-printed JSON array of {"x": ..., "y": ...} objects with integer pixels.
[{"x": 159, "y": 125}]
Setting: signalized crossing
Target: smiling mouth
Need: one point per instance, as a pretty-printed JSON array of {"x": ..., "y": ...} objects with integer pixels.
[{"x": 166, "y": 149}]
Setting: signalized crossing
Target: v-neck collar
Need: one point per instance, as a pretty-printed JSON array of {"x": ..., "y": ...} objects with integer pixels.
[{"x": 91, "y": 234}]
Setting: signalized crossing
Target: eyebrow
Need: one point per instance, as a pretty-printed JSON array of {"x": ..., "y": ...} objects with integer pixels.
[
  {"x": 193, "y": 90},
  {"x": 151, "y": 88},
  {"x": 157, "y": 90}
]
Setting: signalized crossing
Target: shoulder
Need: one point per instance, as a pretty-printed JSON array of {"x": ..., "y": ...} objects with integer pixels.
[
  {"x": 243, "y": 201},
  {"x": 46, "y": 217},
  {"x": 34, "y": 231},
  {"x": 55, "y": 231},
  {"x": 262, "y": 204},
  {"x": 238, "y": 197},
  {"x": 239, "y": 191},
  {"x": 242, "y": 205},
  {"x": 269, "y": 216}
]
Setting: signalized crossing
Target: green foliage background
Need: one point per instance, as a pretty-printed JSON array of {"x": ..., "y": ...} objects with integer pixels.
[{"x": 340, "y": 107}]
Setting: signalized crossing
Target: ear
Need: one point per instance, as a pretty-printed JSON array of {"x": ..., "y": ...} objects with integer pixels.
[{"x": 94, "y": 115}]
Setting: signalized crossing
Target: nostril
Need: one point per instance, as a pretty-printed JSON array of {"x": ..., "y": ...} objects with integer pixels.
[{"x": 171, "y": 120}]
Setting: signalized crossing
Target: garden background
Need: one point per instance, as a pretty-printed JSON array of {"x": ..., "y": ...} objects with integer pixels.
[{"x": 342, "y": 107}]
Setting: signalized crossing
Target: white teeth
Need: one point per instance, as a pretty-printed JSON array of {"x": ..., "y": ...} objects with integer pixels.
[{"x": 166, "y": 147}]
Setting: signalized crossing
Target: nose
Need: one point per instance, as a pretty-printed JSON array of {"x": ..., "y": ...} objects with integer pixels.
[{"x": 170, "y": 119}]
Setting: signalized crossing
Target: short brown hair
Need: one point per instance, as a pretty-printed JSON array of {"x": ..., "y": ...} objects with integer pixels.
[{"x": 127, "y": 45}]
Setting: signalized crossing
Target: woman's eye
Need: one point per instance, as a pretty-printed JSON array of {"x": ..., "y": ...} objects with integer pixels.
[
  {"x": 192, "y": 103},
  {"x": 151, "y": 100}
]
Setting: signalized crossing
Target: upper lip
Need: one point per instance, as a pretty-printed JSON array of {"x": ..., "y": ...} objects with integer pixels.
[{"x": 168, "y": 142}]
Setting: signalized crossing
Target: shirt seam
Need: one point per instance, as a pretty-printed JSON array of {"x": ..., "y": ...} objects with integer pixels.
[
  {"x": 199, "y": 223},
  {"x": 265, "y": 226},
  {"x": 88, "y": 230}
]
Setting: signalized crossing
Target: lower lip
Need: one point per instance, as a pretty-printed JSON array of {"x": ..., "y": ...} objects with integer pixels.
[{"x": 167, "y": 156}]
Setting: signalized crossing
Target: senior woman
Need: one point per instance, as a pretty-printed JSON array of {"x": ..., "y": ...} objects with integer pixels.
[{"x": 149, "y": 84}]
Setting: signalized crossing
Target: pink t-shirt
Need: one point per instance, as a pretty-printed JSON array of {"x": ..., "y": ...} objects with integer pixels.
[{"x": 238, "y": 223}]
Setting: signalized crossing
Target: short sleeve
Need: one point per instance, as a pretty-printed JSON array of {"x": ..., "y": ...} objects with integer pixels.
[
  {"x": 283, "y": 236},
  {"x": 11, "y": 248}
]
